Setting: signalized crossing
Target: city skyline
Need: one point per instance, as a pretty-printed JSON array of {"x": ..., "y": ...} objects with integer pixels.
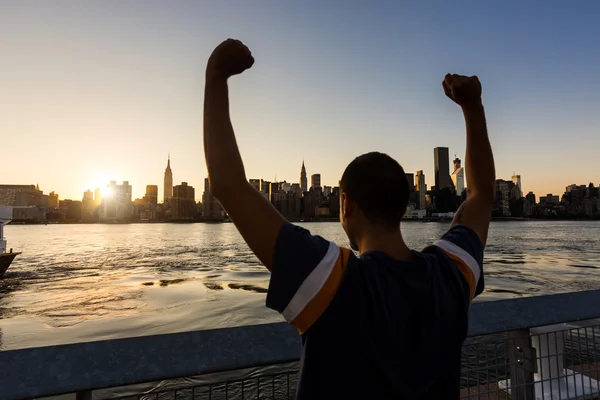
[{"x": 102, "y": 91}]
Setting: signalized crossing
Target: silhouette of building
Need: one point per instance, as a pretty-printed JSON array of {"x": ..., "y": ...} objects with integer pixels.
[
  {"x": 303, "y": 180},
  {"x": 98, "y": 196},
  {"x": 502, "y": 198},
  {"x": 211, "y": 208},
  {"x": 151, "y": 195},
  {"x": 517, "y": 181},
  {"x": 52, "y": 201},
  {"x": 458, "y": 177},
  {"x": 88, "y": 206},
  {"x": 117, "y": 205},
  {"x": 412, "y": 193},
  {"x": 421, "y": 189},
  {"x": 71, "y": 210},
  {"x": 168, "y": 182},
  {"x": 22, "y": 195},
  {"x": 441, "y": 162},
  {"x": 315, "y": 181},
  {"x": 255, "y": 183},
  {"x": 183, "y": 202},
  {"x": 265, "y": 188}
]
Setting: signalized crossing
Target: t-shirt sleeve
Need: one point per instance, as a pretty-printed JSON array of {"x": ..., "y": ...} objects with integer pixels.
[
  {"x": 306, "y": 273},
  {"x": 464, "y": 248}
]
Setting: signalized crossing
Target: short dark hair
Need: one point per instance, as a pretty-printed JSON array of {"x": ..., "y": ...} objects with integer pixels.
[{"x": 378, "y": 185}]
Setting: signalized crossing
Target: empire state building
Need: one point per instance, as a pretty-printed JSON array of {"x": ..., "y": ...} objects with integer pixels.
[{"x": 168, "y": 181}]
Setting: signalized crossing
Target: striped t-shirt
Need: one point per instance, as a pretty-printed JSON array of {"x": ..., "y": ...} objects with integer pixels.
[{"x": 374, "y": 327}]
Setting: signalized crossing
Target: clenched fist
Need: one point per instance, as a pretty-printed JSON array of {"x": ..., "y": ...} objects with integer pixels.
[
  {"x": 463, "y": 90},
  {"x": 229, "y": 58}
]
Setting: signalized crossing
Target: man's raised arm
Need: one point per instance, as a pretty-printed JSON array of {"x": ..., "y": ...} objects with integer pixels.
[
  {"x": 476, "y": 211},
  {"x": 253, "y": 215}
]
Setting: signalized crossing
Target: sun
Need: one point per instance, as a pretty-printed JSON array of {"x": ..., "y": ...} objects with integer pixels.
[{"x": 107, "y": 192}]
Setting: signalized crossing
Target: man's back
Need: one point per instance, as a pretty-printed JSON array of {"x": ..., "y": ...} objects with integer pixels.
[
  {"x": 374, "y": 327},
  {"x": 387, "y": 328}
]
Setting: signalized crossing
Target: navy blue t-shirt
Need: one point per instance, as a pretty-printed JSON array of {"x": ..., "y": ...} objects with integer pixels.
[{"x": 374, "y": 327}]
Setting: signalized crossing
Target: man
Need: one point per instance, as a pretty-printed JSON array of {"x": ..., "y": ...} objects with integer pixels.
[{"x": 390, "y": 323}]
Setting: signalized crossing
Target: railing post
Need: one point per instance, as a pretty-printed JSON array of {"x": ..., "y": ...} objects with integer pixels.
[
  {"x": 522, "y": 365},
  {"x": 83, "y": 395}
]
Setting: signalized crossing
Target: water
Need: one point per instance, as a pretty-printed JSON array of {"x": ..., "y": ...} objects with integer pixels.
[{"x": 90, "y": 282}]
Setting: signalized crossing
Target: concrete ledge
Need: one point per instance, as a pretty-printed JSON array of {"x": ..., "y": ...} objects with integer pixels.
[
  {"x": 506, "y": 315},
  {"x": 46, "y": 371}
]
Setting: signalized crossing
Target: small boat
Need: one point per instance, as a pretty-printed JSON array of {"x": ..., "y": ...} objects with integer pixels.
[{"x": 6, "y": 258}]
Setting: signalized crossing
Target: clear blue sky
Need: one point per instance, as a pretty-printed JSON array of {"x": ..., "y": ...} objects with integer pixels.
[{"x": 99, "y": 91}]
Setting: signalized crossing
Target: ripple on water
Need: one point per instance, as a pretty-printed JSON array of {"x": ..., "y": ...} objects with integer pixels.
[{"x": 69, "y": 274}]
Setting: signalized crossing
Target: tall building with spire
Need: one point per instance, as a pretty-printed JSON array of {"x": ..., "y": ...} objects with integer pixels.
[
  {"x": 168, "y": 193},
  {"x": 303, "y": 179}
]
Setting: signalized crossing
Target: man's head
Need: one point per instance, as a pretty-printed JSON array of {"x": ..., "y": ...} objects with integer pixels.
[{"x": 373, "y": 194}]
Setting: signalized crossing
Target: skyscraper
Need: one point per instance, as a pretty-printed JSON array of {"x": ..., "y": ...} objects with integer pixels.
[
  {"x": 412, "y": 194},
  {"x": 184, "y": 206},
  {"x": 315, "y": 181},
  {"x": 421, "y": 188},
  {"x": 441, "y": 162},
  {"x": 152, "y": 194},
  {"x": 168, "y": 192},
  {"x": 303, "y": 180},
  {"x": 458, "y": 177},
  {"x": 517, "y": 181}
]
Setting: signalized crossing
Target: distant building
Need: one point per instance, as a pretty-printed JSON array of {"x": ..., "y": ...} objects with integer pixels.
[
  {"x": 517, "y": 182},
  {"x": 168, "y": 182},
  {"x": 183, "y": 202},
  {"x": 549, "y": 200},
  {"x": 295, "y": 188},
  {"x": 88, "y": 196},
  {"x": 265, "y": 189},
  {"x": 97, "y": 196},
  {"x": 52, "y": 200},
  {"x": 421, "y": 189},
  {"x": 151, "y": 195},
  {"x": 255, "y": 183},
  {"x": 274, "y": 188},
  {"x": 529, "y": 208},
  {"x": 412, "y": 194},
  {"x": 117, "y": 206},
  {"x": 211, "y": 208},
  {"x": 441, "y": 163},
  {"x": 303, "y": 181},
  {"x": 458, "y": 177},
  {"x": 71, "y": 210},
  {"x": 502, "y": 198},
  {"x": 326, "y": 191},
  {"x": 315, "y": 181},
  {"x": 22, "y": 195},
  {"x": 88, "y": 205}
]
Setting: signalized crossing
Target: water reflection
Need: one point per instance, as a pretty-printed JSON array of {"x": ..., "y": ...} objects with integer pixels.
[{"x": 79, "y": 280}]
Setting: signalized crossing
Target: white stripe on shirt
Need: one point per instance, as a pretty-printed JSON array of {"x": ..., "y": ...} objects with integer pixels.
[
  {"x": 463, "y": 255},
  {"x": 312, "y": 284}
]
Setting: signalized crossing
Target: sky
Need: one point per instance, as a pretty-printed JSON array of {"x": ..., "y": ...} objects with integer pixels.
[{"x": 94, "y": 91}]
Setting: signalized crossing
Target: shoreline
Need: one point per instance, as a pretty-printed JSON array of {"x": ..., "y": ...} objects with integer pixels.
[{"x": 429, "y": 219}]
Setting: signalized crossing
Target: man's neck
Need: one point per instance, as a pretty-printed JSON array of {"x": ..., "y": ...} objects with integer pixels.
[{"x": 388, "y": 242}]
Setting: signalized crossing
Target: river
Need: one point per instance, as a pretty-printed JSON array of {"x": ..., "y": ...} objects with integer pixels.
[{"x": 78, "y": 283}]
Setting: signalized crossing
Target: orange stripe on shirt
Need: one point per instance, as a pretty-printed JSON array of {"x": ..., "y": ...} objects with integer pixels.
[
  {"x": 323, "y": 298},
  {"x": 466, "y": 273}
]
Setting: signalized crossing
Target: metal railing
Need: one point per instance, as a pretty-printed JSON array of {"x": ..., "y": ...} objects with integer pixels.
[{"x": 518, "y": 348}]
